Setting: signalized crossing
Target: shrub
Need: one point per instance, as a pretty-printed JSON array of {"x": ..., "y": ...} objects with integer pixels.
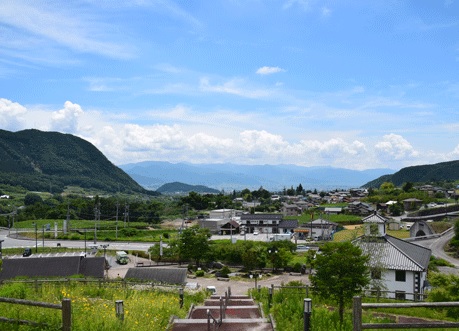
[
  {"x": 129, "y": 232},
  {"x": 225, "y": 271},
  {"x": 199, "y": 273},
  {"x": 14, "y": 290}
]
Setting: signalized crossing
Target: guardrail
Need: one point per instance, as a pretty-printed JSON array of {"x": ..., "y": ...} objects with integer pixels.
[
  {"x": 65, "y": 307},
  {"x": 358, "y": 306}
]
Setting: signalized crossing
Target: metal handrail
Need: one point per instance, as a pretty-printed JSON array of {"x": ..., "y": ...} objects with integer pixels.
[{"x": 214, "y": 321}]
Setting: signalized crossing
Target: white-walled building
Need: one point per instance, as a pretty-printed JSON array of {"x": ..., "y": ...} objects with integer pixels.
[{"x": 398, "y": 267}]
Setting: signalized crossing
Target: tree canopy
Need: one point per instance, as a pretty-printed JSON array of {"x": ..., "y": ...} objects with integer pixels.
[{"x": 341, "y": 272}]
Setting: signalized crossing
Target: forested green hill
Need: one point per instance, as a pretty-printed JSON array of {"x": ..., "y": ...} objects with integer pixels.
[
  {"x": 439, "y": 172},
  {"x": 177, "y": 187},
  {"x": 50, "y": 161}
]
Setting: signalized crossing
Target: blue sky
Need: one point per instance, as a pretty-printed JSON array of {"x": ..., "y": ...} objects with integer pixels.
[{"x": 352, "y": 84}]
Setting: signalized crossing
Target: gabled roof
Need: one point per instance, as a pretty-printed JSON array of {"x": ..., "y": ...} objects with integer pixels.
[
  {"x": 53, "y": 267},
  {"x": 374, "y": 218},
  {"x": 395, "y": 254},
  {"x": 321, "y": 222},
  {"x": 159, "y": 275},
  {"x": 231, "y": 224}
]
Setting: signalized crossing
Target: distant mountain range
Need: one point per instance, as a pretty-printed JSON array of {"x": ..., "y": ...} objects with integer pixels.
[
  {"x": 429, "y": 173},
  {"x": 52, "y": 161},
  {"x": 227, "y": 176}
]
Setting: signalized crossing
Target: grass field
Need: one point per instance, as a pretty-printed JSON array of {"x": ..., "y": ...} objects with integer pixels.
[{"x": 353, "y": 232}]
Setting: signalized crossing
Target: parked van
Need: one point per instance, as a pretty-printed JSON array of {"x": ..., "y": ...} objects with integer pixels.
[{"x": 122, "y": 257}]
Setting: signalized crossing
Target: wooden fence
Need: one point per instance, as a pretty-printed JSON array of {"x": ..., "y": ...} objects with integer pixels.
[
  {"x": 65, "y": 307},
  {"x": 358, "y": 306}
]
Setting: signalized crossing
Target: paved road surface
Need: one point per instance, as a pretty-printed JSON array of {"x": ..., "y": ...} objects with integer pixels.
[{"x": 437, "y": 246}]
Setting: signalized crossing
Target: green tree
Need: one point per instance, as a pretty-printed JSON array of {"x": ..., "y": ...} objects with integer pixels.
[
  {"x": 407, "y": 187},
  {"x": 387, "y": 187},
  {"x": 32, "y": 198},
  {"x": 194, "y": 243},
  {"x": 341, "y": 273},
  {"x": 445, "y": 287}
]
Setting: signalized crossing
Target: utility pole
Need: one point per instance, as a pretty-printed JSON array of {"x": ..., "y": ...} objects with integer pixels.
[
  {"x": 96, "y": 218},
  {"x": 117, "y": 206},
  {"x": 68, "y": 216},
  {"x": 126, "y": 214}
]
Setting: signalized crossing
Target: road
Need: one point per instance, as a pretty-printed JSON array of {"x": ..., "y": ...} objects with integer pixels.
[
  {"x": 437, "y": 246},
  {"x": 9, "y": 242}
]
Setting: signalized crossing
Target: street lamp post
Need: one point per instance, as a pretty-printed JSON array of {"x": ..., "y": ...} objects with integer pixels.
[
  {"x": 43, "y": 238},
  {"x": 307, "y": 314},
  {"x": 256, "y": 276},
  {"x": 181, "y": 297}
]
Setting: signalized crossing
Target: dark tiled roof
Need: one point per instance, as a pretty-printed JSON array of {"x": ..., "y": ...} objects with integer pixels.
[
  {"x": 261, "y": 217},
  {"x": 420, "y": 255},
  {"x": 230, "y": 224},
  {"x": 160, "y": 275},
  {"x": 53, "y": 267},
  {"x": 288, "y": 224},
  {"x": 396, "y": 254}
]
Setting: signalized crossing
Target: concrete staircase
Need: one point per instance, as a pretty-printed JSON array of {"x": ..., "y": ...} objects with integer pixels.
[{"x": 234, "y": 313}]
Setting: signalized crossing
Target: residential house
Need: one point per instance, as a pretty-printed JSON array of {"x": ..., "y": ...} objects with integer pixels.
[
  {"x": 290, "y": 210},
  {"x": 319, "y": 229},
  {"x": 213, "y": 224},
  {"x": 398, "y": 268},
  {"x": 231, "y": 227},
  {"x": 412, "y": 204},
  {"x": 218, "y": 218},
  {"x": 333, "y": 210},
  {"x": 359, "y": 208},
  {"x": 287, "y": 226},
  {"x": 266, "y": 223}
]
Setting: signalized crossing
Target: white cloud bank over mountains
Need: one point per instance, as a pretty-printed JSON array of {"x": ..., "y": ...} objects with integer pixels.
[{"x": 194, "y": 140}]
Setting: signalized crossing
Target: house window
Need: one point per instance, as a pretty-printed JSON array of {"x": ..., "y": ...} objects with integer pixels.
[
  {"x": 400, "y": 295},
  {"x": 400, "y": 275},
  {"x": 375, "y": 274}
]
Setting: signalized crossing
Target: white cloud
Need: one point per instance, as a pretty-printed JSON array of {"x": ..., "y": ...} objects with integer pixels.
[
  {"x": 235, "y": 87},
  {"x": 326, "y": 11},
  {"x": 305, "y": 4},
  {"x": 219, "y": 136},
  {"x": 269, "y": 70},
  {"x": 60, "y": 25},
  {"x": 11, "y": 114},
  {"x": 66, "y": 119},
  {"x": 395, "y": 147}
]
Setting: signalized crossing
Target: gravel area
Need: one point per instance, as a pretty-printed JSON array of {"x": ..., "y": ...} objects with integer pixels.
[{"x": 238, "y": 287}]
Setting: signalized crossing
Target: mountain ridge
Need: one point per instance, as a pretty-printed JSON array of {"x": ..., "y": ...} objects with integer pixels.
[
  {"x": 442, "y": 171},
  {"x": 51, "y": 161},
  {"x": 229, "y": 176}
]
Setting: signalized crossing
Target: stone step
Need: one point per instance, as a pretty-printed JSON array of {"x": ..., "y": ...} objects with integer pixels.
[
  {"x": 231, "y": 302},
  {"x": 241, "y": 312},
  {"x": 227, "y": 325}
]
